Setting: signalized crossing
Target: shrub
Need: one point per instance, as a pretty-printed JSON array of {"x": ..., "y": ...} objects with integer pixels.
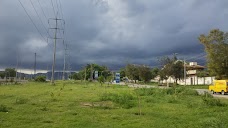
[
  {"x": 181, "y": 91},
  {"x": 21, "y": 101},
  {"x": 124, "y": 100},
  {"x": 101, "y": 80},
  {"x": 210, "y": 101},
  {"x": 3, "y": 108},
  {"x": 211, "y": 122},
  {"x": 145, "y": 91},
  {"x": 40, "y": 79}
]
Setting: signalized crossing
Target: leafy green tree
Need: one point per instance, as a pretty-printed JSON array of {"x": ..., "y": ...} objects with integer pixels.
[
  {"x": 177, "y": 71},
  {"x": 154, "y": 72},
  {"x": 172, "y": 68},
  {"x": 77, "y": 76},
  {"x": 10, "y": 72},
  {"x": 101, "y": 80},
  {"x": 122, "y": 73},
  {"x": 162, "y": 73},
  {"x": 216, "y": 46},
  {"x": 102, "y": 70},
  {"x": 109, "y": 79},
  {"x": 132, "y": 72},
  {"x": 138, "y": 72},
  {"x": 40, "y": 79},
  {"x": 166, "y": 71},
  {"x": 2, "y": 75},
  {"x": 202, "y": 74},
  {"x": 144, "y": 73}
]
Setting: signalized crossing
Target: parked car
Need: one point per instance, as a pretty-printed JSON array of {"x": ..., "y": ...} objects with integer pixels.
[{"x": 220, "y": 86}]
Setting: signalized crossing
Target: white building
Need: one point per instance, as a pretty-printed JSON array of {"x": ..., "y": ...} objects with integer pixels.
[{"x": 191, "y": 76}]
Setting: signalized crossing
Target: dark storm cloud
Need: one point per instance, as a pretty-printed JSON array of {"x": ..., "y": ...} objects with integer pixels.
[{"x": 109, "y": 32}]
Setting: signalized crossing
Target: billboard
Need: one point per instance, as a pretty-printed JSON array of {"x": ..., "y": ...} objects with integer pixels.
[{"x": 117, "y": 77}]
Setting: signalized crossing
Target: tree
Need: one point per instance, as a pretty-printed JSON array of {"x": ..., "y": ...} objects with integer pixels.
[
  {"x": 154, "y": 72},
  {"x": 172, "y": 68},
  {"x": 162, "y": 74},
  {"x": 144, "y": 73},
  {"x": 2, "y": 75},
  {"x": 101, "y": 80},
  {"x": 40, "y": 79},
  {"x": 138, "y": 72},
  {"x": 109, "y": 79},
  {"x": 202, "y": 74},
  {"x": 77, "y": 76},
  {"x": 166, "y": 71},
  {"x": 216, "y": 47},
  {"x": 122, "y": 73},
  {"x": 132, "y": 72},
  {"x": 86, "y": 72},
  {"x": 10, "y": 72},
  {"x": 177, "y": 71}
]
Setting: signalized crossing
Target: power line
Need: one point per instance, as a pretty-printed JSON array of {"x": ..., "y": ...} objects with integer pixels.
[
  {"x": 53, "y": 8},
  {"x": 32, "y": 21},
  {"x": 61, "y": 10},
  {"x": 201, "y": 54},
  {"x": 42, "y": 10},
  {"x": 38, "y": 16},
  {"x": 57, "y": 6}
]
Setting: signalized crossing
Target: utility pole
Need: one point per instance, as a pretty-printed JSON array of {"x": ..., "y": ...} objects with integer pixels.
[
  {"x": 54, "y": 54},
  {"x": 47, "y": 73},
  {"x": 184, "y": 73},
  {"x": 64, "y": 65},
  {"x": 35, "y": 65},
  {"x": 85, "y": 73},
  {"x": 55, "y": 41},
  {"x": 91, "y": 71},
  {"x": 17, "y": 68}
]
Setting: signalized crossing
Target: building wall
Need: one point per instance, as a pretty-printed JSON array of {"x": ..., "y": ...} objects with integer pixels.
[{"x": 193, "y": 80}]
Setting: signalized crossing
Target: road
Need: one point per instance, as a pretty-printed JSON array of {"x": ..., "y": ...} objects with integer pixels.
[
  {"x": 217, "y": 95},
  {"x": 200, "y": 91}
]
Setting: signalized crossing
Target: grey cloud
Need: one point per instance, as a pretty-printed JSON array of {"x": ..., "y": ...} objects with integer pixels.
[{"x": 109, "y": 32}]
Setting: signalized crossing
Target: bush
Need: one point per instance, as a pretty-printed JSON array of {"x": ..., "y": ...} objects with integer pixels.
[
  {"x": 124, "y": 100},
  {"x": 101, "y": 80},
  {"x": 40, "y": 79},
  {"x": 210, "y": 101},
  {"x": 145, "y": 91},
  {"x": 21, "y": 101},
  {"x": 181, "y": 91},
  {"x": 3, "y": 108},
  {"x": 211, "y": 122}
]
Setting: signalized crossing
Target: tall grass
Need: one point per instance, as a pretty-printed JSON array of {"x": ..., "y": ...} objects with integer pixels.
[
  {"x": 124, "y": 100},
  {"x": 74, "y": 104}
]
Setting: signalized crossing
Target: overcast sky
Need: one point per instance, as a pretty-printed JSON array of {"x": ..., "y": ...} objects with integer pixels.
[{"x": 107, "y": 32}]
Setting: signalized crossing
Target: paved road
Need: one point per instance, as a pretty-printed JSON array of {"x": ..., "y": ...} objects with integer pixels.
[
  {"x": 217, "y": 95},
  {"x": 200, "y": 91}
]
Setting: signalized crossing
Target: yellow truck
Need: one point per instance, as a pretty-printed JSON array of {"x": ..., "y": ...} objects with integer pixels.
[{"x": 220, "y": 86}]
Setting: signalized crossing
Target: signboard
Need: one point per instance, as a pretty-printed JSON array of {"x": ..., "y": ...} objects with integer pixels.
[
  {"x": 117, "y": 77},
  {"x": 96, "y": 74}
]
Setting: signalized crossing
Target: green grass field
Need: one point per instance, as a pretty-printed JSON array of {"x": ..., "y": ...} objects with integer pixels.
[{"x": 81, "y": 105}]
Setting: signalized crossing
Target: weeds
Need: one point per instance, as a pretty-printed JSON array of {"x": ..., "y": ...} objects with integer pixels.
[
  {"x": 21, "y": 101},
  {"x": 125, "y": 100},
  {"x": 92, "y": 107},
  {"x": 3, "y": 108},
  {"x": 181, "y": 91},
  {"x": 211, "y": 123},
  {"x": 145, "y": 91},
  {"x": 210, "y": 101}
]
